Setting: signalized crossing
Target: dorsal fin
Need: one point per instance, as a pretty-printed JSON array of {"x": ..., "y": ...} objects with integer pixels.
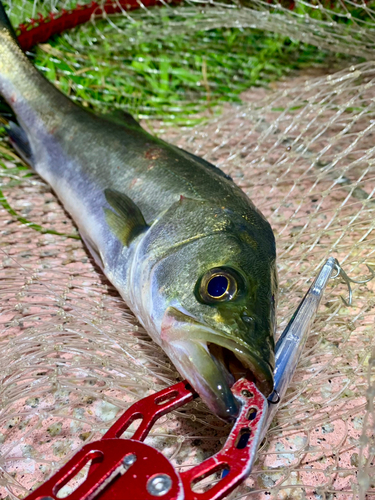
[
  {"x": 122, "y": 118},
  {"x": 205, "y": 163},
  {"x": 127, "y": 220}
]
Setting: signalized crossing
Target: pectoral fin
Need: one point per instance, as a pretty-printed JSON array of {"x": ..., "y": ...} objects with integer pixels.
[{"x": 127, "y": 220}]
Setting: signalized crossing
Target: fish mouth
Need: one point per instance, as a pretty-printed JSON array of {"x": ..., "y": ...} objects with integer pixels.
[{"x": 212, "y": 361}]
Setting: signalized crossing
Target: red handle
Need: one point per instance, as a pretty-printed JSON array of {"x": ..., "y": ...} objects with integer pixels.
[
  {"x": 151, "y": 408},
  {"x": 127, "y": 469},
  {"x": 40, "y": 30},
  {"x": 237, "y": 456}
]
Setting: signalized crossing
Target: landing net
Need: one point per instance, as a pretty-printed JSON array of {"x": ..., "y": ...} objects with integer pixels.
[{"x": 72, "y": 356}]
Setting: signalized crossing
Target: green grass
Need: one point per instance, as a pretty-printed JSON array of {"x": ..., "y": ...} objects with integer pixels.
[
  {"x": 181, "y": 79},
  {"x": 352, "y": 13}
]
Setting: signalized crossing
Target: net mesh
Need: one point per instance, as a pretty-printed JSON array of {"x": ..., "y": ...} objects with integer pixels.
[{"x": 73, "y": 357}]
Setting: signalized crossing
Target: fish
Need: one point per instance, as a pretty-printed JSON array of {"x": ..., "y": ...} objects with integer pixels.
[{"x": 188, "y": 251}]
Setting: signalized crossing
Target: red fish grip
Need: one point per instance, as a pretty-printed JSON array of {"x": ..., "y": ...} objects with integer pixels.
[
  {"x": 128, "y": 469},
  {"x": 41, "y": 29}
]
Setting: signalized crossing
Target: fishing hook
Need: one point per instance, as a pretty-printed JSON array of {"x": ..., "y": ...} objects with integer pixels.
[{"x": 347, "y": 280}]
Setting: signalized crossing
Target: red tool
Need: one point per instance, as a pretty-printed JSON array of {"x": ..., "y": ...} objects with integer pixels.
[
  {"x": 42, "y": 28},
  {"x": 128, "y": 469}
]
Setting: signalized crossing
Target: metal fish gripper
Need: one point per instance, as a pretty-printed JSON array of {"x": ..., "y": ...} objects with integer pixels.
[{"x": 129, "y": 469}]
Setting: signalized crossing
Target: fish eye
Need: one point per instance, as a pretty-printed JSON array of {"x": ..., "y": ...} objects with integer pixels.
[{"x": 218, "y": 285}]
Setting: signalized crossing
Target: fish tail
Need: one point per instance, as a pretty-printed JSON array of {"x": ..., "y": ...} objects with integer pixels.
[
  {"x": 15, "y": 70},
  {"x": 35, "y": 101},
  {"x": 5, "y": 24},
  {"x": 12, "y": 59}
]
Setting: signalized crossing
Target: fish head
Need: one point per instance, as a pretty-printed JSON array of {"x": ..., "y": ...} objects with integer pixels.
[{"x": 213, "y": 298}]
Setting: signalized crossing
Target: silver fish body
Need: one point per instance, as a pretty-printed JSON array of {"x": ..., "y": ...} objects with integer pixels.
[{"x": 187, "y": 250}]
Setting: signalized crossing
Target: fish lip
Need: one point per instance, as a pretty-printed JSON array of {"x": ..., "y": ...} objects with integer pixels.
[
  {"x": 205, "y": 375},
  {"x": 181, "y": 333}
]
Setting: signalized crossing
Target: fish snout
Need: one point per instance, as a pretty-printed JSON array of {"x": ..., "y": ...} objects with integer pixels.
[{"x": 212, "y": 361}]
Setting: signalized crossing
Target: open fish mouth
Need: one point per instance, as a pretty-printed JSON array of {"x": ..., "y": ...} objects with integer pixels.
[{"x": 212, "y": 361}]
